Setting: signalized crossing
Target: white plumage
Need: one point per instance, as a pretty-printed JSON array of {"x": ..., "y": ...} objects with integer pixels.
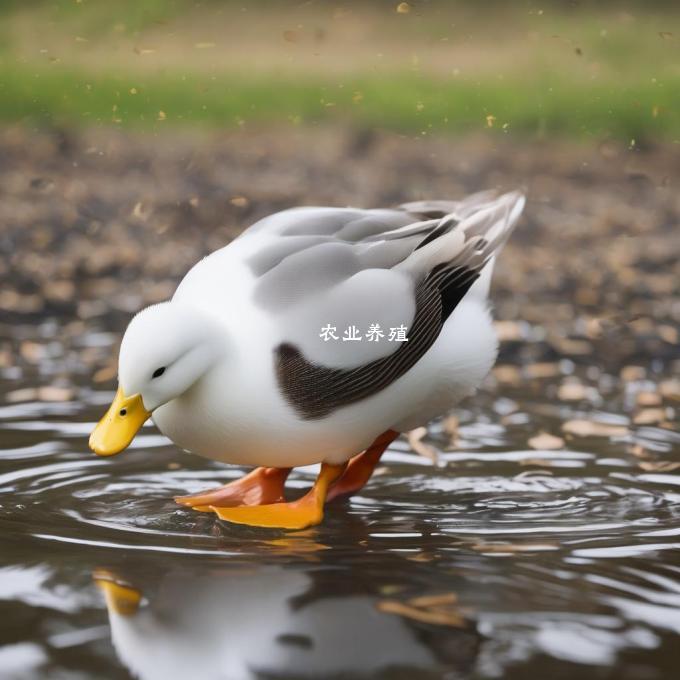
[{"x": 247, "y": 376}]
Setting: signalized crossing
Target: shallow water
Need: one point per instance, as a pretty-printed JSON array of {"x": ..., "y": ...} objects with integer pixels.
[{"x": 541, "y": 563}]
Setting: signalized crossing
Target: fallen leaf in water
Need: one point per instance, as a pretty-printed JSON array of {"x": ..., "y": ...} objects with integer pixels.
[
  {"x": 420, "y": 557},
  {"x": 239, "y": 201},
  {"x": 546, "y": 442},
  {"x": 540, "y": 462},
  {"x": 650, "y": 416},
  {"x": 429, "y": 601},
  {"x": 299, "y": 545},
  {"x": 591, "y": 428},
  {"x": 403, "y": 8},
  {"x": 513, "y": 547},
  {"x": 437, "y": 616},
  {"x": 415, "y": 440},
  {"x": 659, "y": 465}
]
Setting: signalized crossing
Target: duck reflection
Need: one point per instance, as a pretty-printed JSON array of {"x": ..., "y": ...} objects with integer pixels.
[{"x": 272, "y": 621}]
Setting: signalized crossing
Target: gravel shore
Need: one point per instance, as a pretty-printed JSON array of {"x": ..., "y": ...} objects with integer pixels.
[{"x": 98, "y": 223}]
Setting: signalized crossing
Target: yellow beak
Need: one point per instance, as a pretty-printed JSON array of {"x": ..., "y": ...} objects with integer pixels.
[
  {"x": 120, "y": 424},
  {"x": 120, "y": 598}
]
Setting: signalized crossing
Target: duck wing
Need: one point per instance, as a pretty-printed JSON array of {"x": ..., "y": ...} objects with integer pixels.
[{"x": 352, "y": 270}]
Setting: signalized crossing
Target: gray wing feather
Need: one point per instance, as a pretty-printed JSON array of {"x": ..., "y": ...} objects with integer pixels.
[{"x": 344, "y": 267}]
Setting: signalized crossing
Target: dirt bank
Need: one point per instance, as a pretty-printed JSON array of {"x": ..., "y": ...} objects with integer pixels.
[{"x": 96, "y": 224}]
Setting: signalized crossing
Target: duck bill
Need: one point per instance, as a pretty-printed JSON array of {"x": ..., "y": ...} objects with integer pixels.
[
  {"x": 120, "y": 597},
  {"x": 120, "y": 424}
]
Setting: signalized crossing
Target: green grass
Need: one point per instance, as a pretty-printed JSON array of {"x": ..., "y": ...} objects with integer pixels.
[
  {"x": 524, "y": 69},
  {"x": 409, "y": 103}
]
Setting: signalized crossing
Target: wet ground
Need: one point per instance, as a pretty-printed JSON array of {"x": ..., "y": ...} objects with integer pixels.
[{"x": 534, "y": 533}]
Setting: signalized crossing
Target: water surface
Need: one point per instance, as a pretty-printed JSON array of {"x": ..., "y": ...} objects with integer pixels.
[{"x": 502, "y": 559}]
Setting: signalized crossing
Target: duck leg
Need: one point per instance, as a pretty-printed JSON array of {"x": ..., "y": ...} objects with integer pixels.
[
  {"x": 262, "y": 486},
  {"x": 361, "y": 467},
  {"x": 305, "y": 512}
]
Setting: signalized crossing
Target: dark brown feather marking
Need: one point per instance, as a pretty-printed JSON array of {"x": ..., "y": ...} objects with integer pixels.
[{"x": 315, "y": 391}]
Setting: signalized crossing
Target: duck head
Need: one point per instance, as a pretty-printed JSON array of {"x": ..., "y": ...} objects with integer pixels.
[{"x": 165, "y": 350}]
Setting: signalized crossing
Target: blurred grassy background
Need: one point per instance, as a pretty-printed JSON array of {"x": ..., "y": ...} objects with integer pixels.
[{"x": 588, "y": 69}]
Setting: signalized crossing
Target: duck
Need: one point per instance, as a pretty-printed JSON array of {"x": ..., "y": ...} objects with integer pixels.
[
  {"x": 316, "y": 337},
  {"x": 173, "y": 626}
]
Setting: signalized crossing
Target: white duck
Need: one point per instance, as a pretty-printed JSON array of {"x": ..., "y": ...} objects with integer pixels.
[
  {"x": 244, "y": 624},
  {"x": 243, "y": 366}
]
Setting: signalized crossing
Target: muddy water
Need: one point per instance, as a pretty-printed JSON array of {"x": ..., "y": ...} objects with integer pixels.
[{"x": 500, "y": 559}]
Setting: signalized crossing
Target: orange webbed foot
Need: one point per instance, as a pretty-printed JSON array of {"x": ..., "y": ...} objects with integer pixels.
[
  {"x": 262, "y": 486},
  {"x": 300, "y": 514},
  {"x": 361, "y": 467}
]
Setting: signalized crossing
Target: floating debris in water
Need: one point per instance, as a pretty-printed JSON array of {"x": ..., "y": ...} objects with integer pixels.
[
  {"x": 439, "y": 610},
  {"x": 649, "y": 416},
  {"x": 415, "y": 440},
  {"x": 591, "y": 428},
  {"x": 510, "y": 548}
]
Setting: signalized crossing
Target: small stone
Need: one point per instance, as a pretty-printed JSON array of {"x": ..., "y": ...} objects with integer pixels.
[
  {"x": 508, "y": 331},
  {"x": 546, "y": 442},
  {"x": 648, "y": 399},
  {"x": 670, "y": 389},
  {"x": 543, "y": 370},
  {"x": 633, "y": 373},
  {"x": 105, "y": 374},
  {"x": 507, "y": 374},
  {"x": 573, "y": 392},
  {"x": 53, "y": 393}
]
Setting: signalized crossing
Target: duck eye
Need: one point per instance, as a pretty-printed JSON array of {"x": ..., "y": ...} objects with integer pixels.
[
  {"x": 123, "y": 412},
  {"x": 158, "y": 372}
]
